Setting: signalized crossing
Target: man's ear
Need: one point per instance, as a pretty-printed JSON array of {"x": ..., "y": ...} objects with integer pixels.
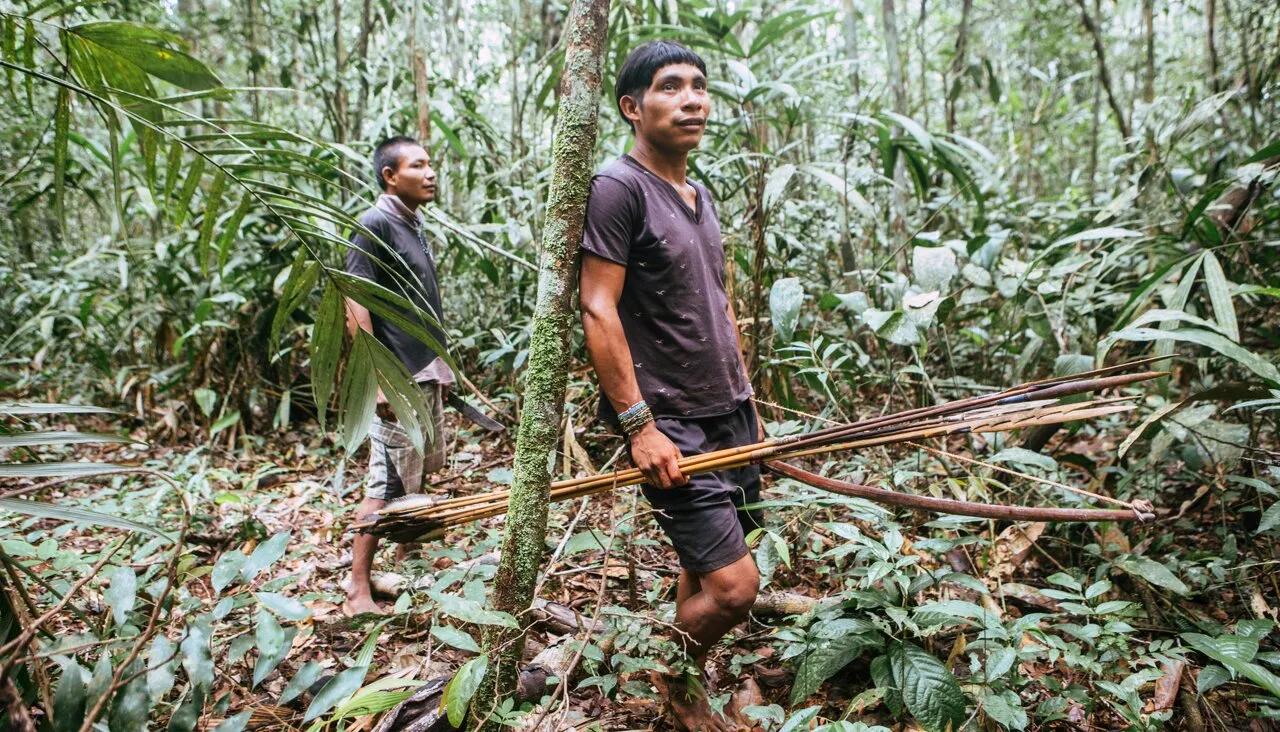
[
  {"x": 630, "y": 107},
  {"x": 387, "y": 172}
]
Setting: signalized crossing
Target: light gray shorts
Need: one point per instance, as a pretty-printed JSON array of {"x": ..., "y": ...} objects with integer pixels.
[{"x": 396, "y": 469}]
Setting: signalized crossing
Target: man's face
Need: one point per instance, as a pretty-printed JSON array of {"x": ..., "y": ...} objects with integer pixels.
[
  {"x": 672, "y": 115},
  {"x": 414, "y": 181}
]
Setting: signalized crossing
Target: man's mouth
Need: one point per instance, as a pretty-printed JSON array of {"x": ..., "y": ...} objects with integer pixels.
[{"x": 692, "y": 123}]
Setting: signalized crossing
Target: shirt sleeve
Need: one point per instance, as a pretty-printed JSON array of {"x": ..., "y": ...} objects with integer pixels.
[
  {"x": 612, "y": 215},
  {"x": 361, "y": 255}
]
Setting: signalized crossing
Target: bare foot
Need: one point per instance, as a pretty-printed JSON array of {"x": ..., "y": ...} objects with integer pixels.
[
  {"x": 361, "y": 605},
  {"x": 688, "y": 702}
]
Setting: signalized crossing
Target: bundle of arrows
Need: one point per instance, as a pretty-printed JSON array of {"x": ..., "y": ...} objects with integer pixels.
[{"x": 1032, "y": 404}]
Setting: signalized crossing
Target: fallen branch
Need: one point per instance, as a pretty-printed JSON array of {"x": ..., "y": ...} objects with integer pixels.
[{"x": 953, "y": 507}]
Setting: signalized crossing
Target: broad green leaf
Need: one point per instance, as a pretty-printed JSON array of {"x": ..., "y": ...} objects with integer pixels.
[
  {"x": 122, "y": 594},
  {"x": 933, "y": 267},
  {"x": 785, "y": 299},
  {"x": 1220, "y": 296},
  {"x": 929, "y": 691},
  {"x": 1151, "y": 571},
  {"x": 235, "y": 723},
  {"x": 196, "y": 657},
  {"x": 1006, "y": 709},
  {"x": 57, "y": 470},
  {"x": 359, "y": 394},
  {"x": 826, "y": 658},
  {"x": 1106, "y": 232},
  {"x": 161, "y": 662},
  {"x": 456, "y": 638},
  {"x": 913, "y": 128},
  {"x": 585, "y": 541},
  {"x": 460, "y": 689},
  {"x": 64, "y": 513},
  {"x": 226, "y": 569},
  {"x": 1023, "y": 456},
  {"x": 284, "y": 606},
  {"x": 26, "y": 408},
  {"x": 231, "y": 229},
  {"x": 1270, "y": 518},
  {"x": 776, "y": 184},
  {"x": 276, "y": 648},
  {"x": 402, "y": 392},
  {"x": 182, "y": 205},
  {"x": 326, "y": 348},
  {"x": 153, "y": 51},
  {"x": 339, "y": 687},
  {"x": 69, "y": 699},
  {"x": 1252, "y": 671},
  {"x": 470, "y": 611},
  {"x": 60, "y": 437},
  {"x": 1255, "y": 363},
  {"x": 265, "y": 555},
  {"x": 129, "y": 706},
  {"x": 209, "y": 221},
  {"x": 297, "y": 287},
  {"x": 301, "y": 681},
  {"x": 225, "y": 421},
  {"x": 1211, "y": 677}
]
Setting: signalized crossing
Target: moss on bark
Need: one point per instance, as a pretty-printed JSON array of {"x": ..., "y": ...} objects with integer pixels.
[{"x": 547, "y": 375}]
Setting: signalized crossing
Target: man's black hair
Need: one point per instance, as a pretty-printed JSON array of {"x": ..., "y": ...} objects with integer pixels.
[
  {"x": 643, "y": 62},
  {"x": 387, "y": 155}
]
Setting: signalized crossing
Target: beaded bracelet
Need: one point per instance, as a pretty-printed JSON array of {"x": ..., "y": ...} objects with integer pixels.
[{"x": 635, "y": 418}]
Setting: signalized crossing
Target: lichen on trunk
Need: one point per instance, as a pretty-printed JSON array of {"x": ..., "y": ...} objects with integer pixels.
[{"x": 526, "y": 526}]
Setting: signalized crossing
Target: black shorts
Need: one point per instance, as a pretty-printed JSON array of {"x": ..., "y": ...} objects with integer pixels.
[{"x": 703, "y": 518}]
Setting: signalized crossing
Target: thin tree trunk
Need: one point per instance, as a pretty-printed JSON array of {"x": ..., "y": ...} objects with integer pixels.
[
  {"x": 924, "y": 64},
  {"x": 1211, "y": 18},
  {"x": 524, "y": 542},
  {"x": 421, "y": 92},
  {"x": 851, "y": 43},
  {"x": 340, "y": 67},
  {"x": 897, "y": 84},
  {"x": 958, "y": 63},
  {"x": 1104, "y": 76},
  {"x": 362, "y": 66},
  {"x": 1095, "y": 123},
  {"x": 1149, "y": 80}
]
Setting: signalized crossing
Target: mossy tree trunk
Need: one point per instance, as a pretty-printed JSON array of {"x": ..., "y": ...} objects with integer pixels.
[{"x": 572, "y": 163}]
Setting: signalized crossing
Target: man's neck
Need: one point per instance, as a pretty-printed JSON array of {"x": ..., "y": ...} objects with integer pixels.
[
  {"x": 411, "y": 205},
  {"x": 669, "y": 166}
]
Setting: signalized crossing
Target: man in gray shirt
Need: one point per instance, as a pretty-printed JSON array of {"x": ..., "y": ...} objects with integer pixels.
[
  {"x": 401, "y": 261},
  {"x": 663, "y": 338}
]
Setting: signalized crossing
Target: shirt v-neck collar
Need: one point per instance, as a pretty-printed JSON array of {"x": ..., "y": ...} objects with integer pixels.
[{"x": 694, "y": 213}]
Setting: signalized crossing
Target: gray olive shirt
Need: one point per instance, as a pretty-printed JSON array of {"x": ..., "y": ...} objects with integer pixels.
[
  {"x": 673, "y": 308},
  {"x": 402, "y": 262}
]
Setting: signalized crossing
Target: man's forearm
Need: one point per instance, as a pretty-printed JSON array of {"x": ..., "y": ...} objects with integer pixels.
[
  {"x": 358, "y": 317},
  {"x": 611, "y": 357}
]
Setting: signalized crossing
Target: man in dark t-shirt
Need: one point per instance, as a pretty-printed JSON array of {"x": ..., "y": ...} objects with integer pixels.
[
  {"x": 400, "y": 260},
  {"x": 663, "y": 339}
]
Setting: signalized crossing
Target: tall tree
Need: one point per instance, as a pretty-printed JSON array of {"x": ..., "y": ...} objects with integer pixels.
[
  {"x": 898, "y": 86},
  {"x": 1104, "y": 76},
  {"x": 553, "y": 317},
  {"x": 1211, "y": 48},
  {"x": 958, "y": 63},
  {"x": 851, "y": 43}
]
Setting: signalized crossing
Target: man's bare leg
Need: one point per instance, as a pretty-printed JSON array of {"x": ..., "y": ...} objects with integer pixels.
[
  {"x": 363, "y": 547},
  {"x": 707, "y": 607}
]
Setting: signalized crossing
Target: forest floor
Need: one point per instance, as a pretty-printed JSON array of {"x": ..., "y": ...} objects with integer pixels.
[{"x": 294, "y": 483}]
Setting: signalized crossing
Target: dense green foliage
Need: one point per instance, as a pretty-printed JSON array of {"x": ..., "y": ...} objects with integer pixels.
[{"x": 917, "y": 204}]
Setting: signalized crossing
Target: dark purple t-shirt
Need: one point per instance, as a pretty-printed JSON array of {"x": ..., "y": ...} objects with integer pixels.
[{"x": 674, "y": 308}]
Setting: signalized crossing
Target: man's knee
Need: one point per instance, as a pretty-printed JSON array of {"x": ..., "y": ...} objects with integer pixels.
[{"x": 735, "y": 599}]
